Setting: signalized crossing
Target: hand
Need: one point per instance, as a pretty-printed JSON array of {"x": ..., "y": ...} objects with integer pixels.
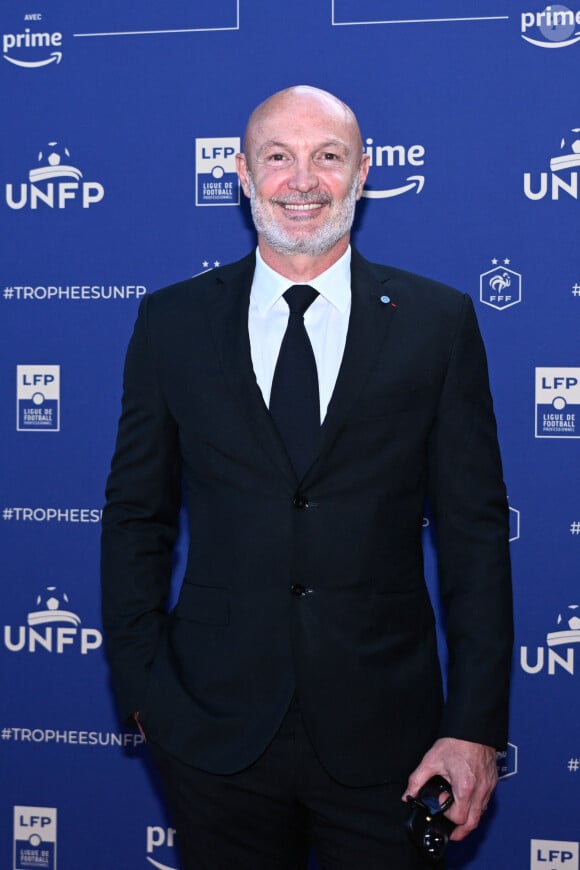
[{"x": 471, "y": 770}]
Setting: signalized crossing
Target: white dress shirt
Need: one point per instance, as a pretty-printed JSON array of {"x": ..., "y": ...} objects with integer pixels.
[{"x": 326, "y": 322}]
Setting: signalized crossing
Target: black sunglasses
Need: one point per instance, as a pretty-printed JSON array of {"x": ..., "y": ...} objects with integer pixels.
[{"x": 428, "y": 827}]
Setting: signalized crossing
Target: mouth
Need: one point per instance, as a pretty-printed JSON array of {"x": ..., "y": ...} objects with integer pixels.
[{"x": 305, "y": 206}]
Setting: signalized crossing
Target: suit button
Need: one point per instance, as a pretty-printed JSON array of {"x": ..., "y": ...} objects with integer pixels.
[
  {"x": 298, "y": 590},
  {"x": 300, "y": 502}
]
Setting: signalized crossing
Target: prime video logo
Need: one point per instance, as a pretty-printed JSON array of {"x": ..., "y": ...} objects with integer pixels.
[
  {"x": 161, "y": 843},
  {"x": 30, "y": 48},
  {"x": 556, "y": 26},
  {"x": 397, "y": 160}
]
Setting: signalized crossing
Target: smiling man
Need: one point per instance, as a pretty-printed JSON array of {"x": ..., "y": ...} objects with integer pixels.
[
  {"x": 309, "y": 179},
  {"x": 309, "y": 403}
]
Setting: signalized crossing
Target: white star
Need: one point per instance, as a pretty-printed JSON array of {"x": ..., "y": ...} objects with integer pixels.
[
  {"x": 494, "y": 261},
  {"x": 205, "y": 264},
  {"x": 506, "y": 261},
  {"x": 216, "y": 263}
]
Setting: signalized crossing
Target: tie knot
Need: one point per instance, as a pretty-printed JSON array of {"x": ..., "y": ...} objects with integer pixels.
[{"x": 299, "y": 297}]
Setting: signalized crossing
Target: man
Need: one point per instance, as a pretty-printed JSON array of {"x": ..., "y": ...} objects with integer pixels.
[{"x": 293, "y": 696}]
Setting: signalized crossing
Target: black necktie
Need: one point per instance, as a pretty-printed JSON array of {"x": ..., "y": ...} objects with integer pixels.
[{"x": 294, "y": 400}]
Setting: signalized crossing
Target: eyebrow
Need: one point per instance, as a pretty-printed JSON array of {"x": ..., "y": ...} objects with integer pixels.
[{"x": 274, "y": 143}]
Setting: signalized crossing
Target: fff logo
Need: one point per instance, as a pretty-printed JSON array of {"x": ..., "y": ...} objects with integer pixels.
[{"x": 500, "y": 287}]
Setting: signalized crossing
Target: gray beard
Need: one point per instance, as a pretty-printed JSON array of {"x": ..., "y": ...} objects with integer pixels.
[{"x": 337, "y": 225}]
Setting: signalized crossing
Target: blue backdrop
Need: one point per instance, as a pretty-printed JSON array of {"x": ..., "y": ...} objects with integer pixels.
[{"x": 120, "y": 120}]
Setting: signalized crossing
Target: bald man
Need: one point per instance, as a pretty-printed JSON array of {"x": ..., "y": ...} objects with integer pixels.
[{"x": 308, "y": 403}]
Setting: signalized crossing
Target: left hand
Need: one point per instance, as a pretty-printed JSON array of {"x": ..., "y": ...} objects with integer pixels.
[{"x": 471, "y": 770}]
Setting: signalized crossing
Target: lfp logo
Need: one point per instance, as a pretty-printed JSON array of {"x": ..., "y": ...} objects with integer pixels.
[
  {"x": 216, "y": 180},
  {"x": 553, "y": 855},
  {"x": 555, "y": 27},
  {"x": 38, "y": 398},
  {"x": 558, "y": 403},
  {"x": 34, "y": 838},
  {"x": 55, "y": 182}
]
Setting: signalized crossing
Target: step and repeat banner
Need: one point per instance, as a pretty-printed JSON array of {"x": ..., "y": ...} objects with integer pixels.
[{"x": 120, "y": 125}]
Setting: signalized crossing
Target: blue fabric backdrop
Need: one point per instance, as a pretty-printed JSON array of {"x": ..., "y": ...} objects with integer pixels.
[{"x": 119, "y": 122}]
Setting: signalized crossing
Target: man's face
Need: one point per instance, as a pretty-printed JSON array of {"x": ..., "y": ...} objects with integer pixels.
[{"x": 303, "y": 171}]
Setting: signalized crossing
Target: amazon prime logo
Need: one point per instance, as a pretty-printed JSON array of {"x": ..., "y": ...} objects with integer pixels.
[
  {"x": 394, "y": 170},
  {"x": 32, "y": 48},
  {"x": 161, "y": 847},
  {"x": 556, "y": 26}
]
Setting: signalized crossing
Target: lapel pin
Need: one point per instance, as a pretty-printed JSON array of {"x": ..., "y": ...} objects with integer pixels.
[{"x": 385, "y": 299}]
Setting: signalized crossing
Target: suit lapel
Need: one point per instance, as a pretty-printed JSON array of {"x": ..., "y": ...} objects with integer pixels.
[
  {"x": 372, "y": 312},
  {"x": 228, "y": 306}
]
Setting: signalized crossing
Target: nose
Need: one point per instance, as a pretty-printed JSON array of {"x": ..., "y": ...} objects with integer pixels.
[{"x": 303, "y": 178}]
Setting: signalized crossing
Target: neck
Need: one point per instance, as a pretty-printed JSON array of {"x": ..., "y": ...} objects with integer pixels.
[{"x": 301, "y": 268}]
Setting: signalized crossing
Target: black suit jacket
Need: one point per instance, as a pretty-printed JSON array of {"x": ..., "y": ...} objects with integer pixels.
[{"x": 410, "y": 418}]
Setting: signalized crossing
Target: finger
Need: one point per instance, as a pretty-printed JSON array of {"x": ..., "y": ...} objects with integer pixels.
[
  {"x": 429, "y": 767},
  {"x": 467, "y": 816}
]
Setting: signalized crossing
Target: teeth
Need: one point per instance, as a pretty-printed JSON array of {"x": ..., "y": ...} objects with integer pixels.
[{"x": 307, "y": 206}]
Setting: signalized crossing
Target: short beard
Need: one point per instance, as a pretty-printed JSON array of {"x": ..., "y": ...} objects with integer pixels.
[{"x": 336, "y": 226}]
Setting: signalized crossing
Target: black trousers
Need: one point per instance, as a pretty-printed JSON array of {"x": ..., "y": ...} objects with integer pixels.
[{"x": 273, "y": 814}]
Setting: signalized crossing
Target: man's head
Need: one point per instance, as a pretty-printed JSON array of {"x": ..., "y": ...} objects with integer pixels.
[{"x": 303, "y": 168}]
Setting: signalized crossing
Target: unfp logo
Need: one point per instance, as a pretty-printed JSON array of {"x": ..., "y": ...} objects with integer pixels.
[
  {"x": 390, "y": 168},
  {"x": 32, "y": 48},
  {"x": 553, "y": 855},
  {"x": 567, "y": 634},
  {"x": 52, "y": 626},
  {"x": 34, "y": 838},
  {"x": 216, "y": 179},
  {"x": 500, "y": 287},
  {"x": 564, "y": 175},
  {"x": 38, "y": 398},
  {"x": 558, "y": 402},
  {"x": 555, "y": 27},
  {"x": 55, "y": 182}
]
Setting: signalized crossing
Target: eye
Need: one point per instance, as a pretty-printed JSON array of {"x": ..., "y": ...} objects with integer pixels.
[
  {"x": 329, "y": 157},
  {"x": 277, "y": 157}
]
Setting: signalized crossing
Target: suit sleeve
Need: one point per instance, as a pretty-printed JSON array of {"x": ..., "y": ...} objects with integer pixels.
[
  {"x": 140, "y": 523},
  {"x": 471, "y": 515}
]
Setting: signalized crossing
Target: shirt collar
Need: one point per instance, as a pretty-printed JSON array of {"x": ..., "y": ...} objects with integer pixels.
[{"x": 334, "y": 284}]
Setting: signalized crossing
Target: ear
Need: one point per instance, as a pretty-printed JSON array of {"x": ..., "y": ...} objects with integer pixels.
[
  {"x": 363, "y": 172},
  {"x": 242, "y": 170}
]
